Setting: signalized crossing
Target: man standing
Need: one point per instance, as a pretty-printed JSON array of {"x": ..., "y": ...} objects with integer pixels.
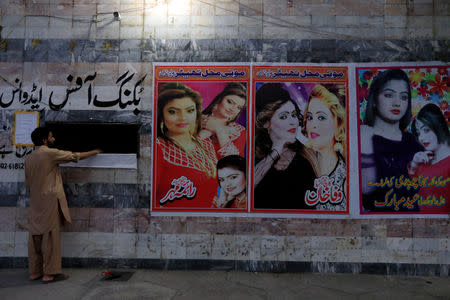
[{"x": 48, "y": 205}]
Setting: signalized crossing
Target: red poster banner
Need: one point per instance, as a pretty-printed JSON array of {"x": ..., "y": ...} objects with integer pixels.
[{"x": 200, "y": 138}]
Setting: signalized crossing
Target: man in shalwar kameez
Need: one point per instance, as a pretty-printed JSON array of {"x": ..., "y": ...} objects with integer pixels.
[{"x": 48, "y": 205}]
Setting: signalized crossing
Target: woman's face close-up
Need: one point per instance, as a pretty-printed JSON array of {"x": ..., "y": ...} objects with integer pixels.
[
  {"x": 230, "y": 106},
  {"x": 392, "y": 101},
  {"x": 231, "y": 180},
  {"x": 284, "y": 123},
  {"x": 320, "y": 124},
  {"x": 180, "y": 116},
  {"x": 426, "y": 136}
]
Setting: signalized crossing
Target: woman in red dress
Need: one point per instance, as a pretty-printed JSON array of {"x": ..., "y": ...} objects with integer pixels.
[
  {"x": 186, "y": 164},
  {"x": 219, "y": 119},
  {"x": 432, "y": 132}
]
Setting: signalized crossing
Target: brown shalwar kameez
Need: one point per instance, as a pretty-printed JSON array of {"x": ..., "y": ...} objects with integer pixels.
[{"x": 48, "y": 208}]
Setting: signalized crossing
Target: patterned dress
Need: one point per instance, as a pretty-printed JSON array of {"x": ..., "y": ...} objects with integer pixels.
[
  {"x": 183, "y": 180},
  {"x": 235, "y": 144},
  {"x": 338, "y": 176}
]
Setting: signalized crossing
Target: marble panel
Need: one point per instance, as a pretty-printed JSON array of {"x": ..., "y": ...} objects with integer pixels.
[
  {"x": 427, "y": 257},
  {"x": 13, "y": 8},
  {"x": 100, "y": 245},
  {"x": 21, "y": 219},
  {"x": 36, "y": 27},
  {"x": 75, "y": 244},
  {"x": 60, "y": 28},
  {"x": 149, "y": 246},
  {"x": 7, "y": 244},
  {"x": 124, "y": 245},
  {"x": 398, "y": 243},
  {"x": 36, "y": 50},
  {"x": 400, "y": 256},
  {"x": 127, "y": 201},
  {"x": 59, "y": 51},
  {"x": 348, "y": 228},
  {"x": 101, "y": 220},
  {"x": 323, "y": 255},
  {"x": 83, "y": 51},
  {"x": 442, "y": 23},
  {"x": 21, "y": 244},
  {"x": 131, "y": 32},
  {"x": 425, "y": 244},
  {"x": 273, "y": 248},
  {"x": 323, "y": 243},
  {"x": 348, "y": 243},
  {"x": 373, "y": 243},
  {"x": 298, "y": 248},
  {"x": 198, "y": 246},
  {"x": 248, "y": 247},
  {"x": 375, "y": 256},
  {"x": 444, "y": 257},
  {"x": 444, "y": 244},
  {"x": 223, "y": 247},
  {"x": 349, "y": 255},
  {"x": 14, "y": 50},
  {"x": 399, "y": 228},
  {"x": 173, "y": 246}
]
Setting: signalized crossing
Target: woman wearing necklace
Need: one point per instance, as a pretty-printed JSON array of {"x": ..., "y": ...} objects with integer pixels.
[
  {"x": 219, "y": 120},
  {"x": 186, "y": 172},
  {"x": 325, "y": 128},
  {"x": 386, "y": 146}
]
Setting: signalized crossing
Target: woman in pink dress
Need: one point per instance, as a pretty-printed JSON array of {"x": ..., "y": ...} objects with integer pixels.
[{"x": 219, "y": 121}]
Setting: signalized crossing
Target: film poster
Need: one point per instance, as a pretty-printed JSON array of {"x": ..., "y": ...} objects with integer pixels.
[
  {"x": 300, "y": 139},
  {"x": 404, "y": 139},
  {"x": 200, "y": 138}
]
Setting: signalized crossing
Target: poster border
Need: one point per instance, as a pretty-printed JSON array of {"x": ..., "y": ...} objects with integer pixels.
[
  {"x": 358, "y": 128},
  {"x": 247, "y": 79}
]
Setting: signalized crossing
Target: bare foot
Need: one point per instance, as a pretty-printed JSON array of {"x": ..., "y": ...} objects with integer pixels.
[
  {"x": 54, "y": 278},
  {"x": 35, "y": 276}
]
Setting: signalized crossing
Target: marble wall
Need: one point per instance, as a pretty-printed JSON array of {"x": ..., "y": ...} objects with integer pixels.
[{"x": 44, "y": 41}]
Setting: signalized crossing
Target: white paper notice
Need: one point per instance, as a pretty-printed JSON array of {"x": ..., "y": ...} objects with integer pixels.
[
  {"x": 106, "y": 160},
  {"x": 26, "y": 122}
]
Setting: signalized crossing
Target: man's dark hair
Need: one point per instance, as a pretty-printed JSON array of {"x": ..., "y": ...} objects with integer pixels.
[{"x": 39, "y": 135}]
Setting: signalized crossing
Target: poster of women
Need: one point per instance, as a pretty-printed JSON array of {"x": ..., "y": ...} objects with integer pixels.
[
  {"x": 300, "y": 139},
  {"x": 200, "y": 138},
  {"x": 404, "y": 139}
]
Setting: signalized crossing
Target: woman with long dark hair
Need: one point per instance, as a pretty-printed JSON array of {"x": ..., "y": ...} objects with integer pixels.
[
  {"x": 283, "y": 172},
  {"x": 386, "y": 146},
  {"x": 232, "y": 177},
  {"x": 432, "y": 132}
]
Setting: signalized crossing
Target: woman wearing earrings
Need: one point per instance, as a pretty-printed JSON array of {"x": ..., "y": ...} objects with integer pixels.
[
  {"x": 186, "y": 165},
  {"x": 325, "y": 128},
  {"x": 283, "y": 172},
  {"x": 219, "y": 119},
  {"x": 232, "y": 179},
  {"x": 432, "y": 132},
  {"x": 386, "y": 146}
]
